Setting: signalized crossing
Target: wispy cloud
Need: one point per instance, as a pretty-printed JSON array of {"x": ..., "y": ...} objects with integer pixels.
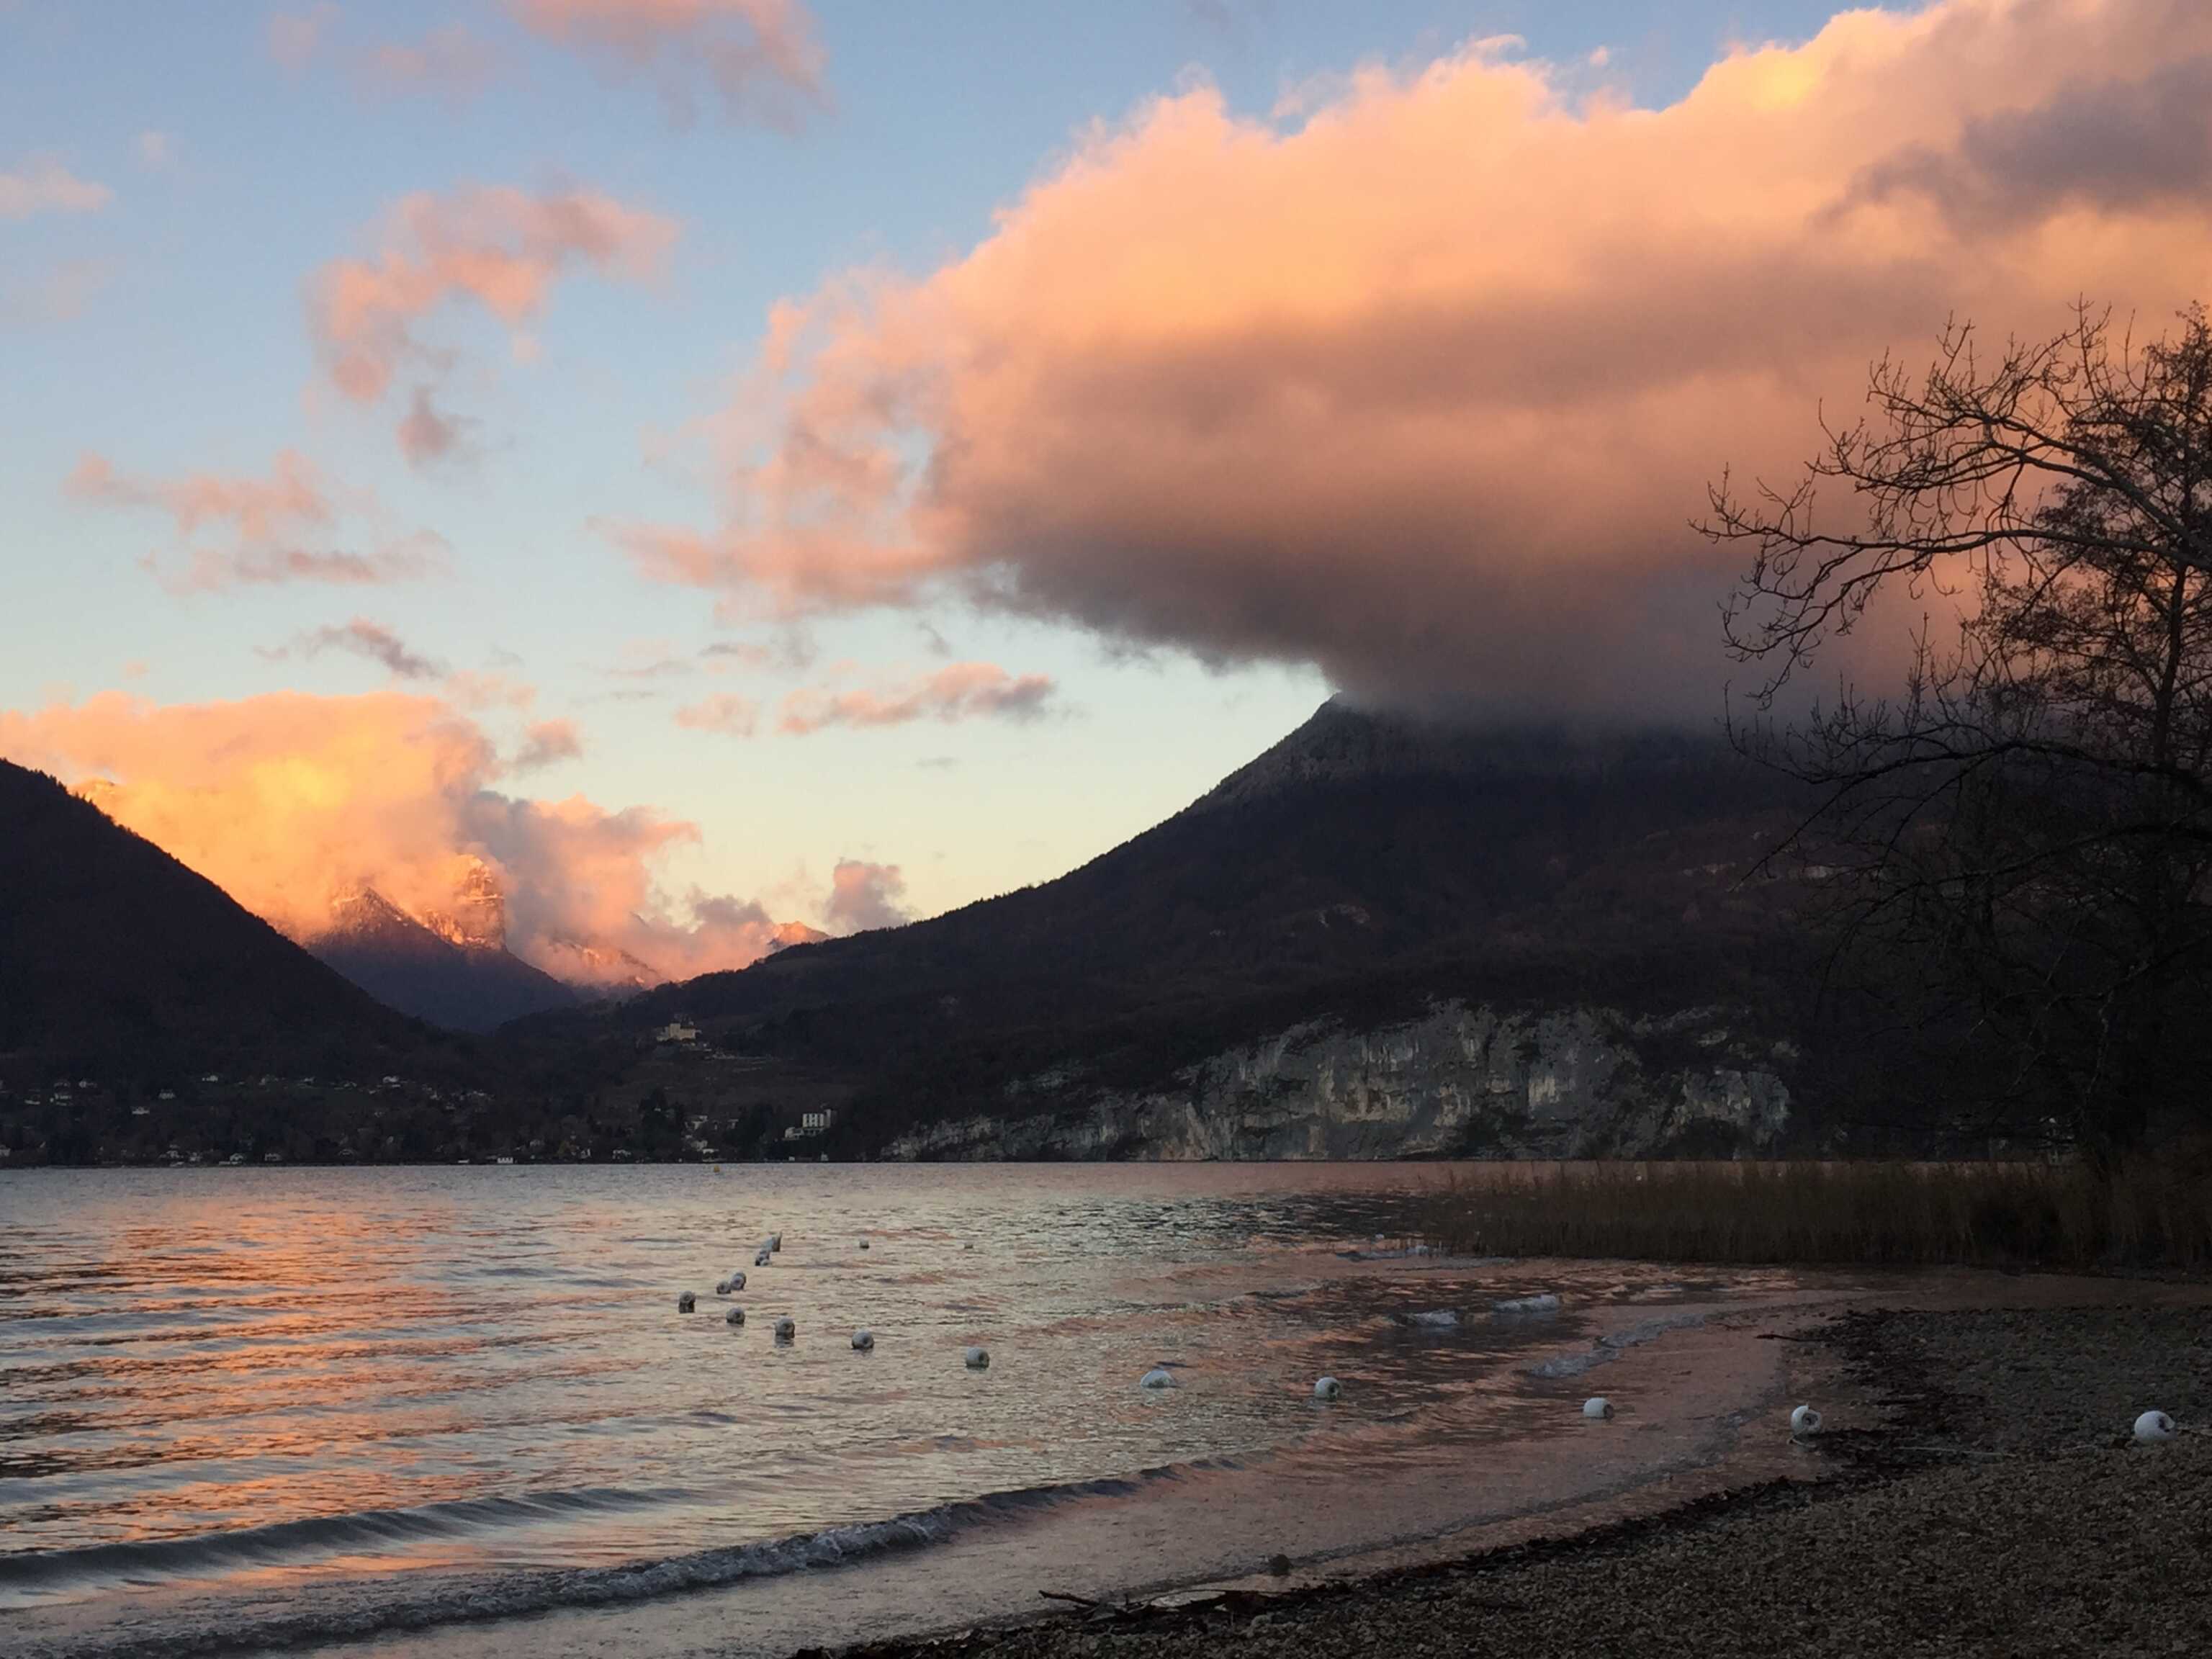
[
  {"x": 759, "y": 57},
  {"x": 363, "y": 638},
  {"x": 450, "y": 63},
  {"x": 960, "y": 691},
  {"x": 294, "y": 38},
  {"x": 281, "y": 528},
  {"x": 732, "y": 716}
]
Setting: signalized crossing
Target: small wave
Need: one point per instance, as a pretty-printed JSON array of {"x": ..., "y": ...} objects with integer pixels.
[
  {"x": 363, "y": 1609},
  {"x": 1611, "y": 1346},
  {"x": 293, "y": 1540},
  {"x": 1522, "y": 1307}
]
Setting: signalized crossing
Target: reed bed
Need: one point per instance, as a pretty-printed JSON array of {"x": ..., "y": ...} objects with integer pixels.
[{"x": 2149, "y": 1213}]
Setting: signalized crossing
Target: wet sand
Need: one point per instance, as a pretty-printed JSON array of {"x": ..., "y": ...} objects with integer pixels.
[{"x": 1979, "y": 1493}]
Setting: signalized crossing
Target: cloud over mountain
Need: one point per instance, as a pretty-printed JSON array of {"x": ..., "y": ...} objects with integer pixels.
[
  {"x": 1421, "y": 380},
  {"x": 288, "y": 799}
]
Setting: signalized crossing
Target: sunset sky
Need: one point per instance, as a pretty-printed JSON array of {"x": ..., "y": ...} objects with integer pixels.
[{"x": 673, "y": 449}]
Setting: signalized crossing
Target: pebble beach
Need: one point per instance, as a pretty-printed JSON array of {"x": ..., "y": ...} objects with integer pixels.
[{"x": 1993, "y": 1502}]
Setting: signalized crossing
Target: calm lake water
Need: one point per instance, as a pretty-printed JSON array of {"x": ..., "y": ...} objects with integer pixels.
[{"x": 457, "y": 1410}]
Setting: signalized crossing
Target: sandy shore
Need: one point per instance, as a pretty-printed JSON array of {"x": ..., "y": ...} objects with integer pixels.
[{"x": 1998, "y": 1508}]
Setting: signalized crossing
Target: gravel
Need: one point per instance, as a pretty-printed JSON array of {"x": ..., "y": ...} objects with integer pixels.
[{"x": 2003, "y": 1508}]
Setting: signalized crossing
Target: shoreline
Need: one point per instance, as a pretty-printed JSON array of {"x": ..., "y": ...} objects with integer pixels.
[{"x": 1997, "y": 1505}]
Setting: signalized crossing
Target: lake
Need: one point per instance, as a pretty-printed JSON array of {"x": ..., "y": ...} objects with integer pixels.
[{"x": 457, "y": 1410}]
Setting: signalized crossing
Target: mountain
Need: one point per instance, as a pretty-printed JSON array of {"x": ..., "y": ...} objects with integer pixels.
[
  {"x": 1359, "y": 877},
  {"x": 116, "y": 960},
  {"x": 452, "y": 969}
]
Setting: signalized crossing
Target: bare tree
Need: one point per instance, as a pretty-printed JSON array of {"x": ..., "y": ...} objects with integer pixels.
[{"x": 2019, "y": 832}]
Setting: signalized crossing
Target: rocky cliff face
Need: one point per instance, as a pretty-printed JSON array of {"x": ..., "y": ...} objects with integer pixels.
[{"x": 1470, "y": 1082}]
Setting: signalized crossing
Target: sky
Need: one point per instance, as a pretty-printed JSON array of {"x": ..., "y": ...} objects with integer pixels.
[{"x": 729, "y": 462}]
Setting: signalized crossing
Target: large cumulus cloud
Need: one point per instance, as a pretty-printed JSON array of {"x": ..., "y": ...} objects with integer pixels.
[{"x": 1424, "y": 385}]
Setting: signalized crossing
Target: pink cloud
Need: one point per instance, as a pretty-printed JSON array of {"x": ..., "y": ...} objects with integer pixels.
[
  {"x": 428, "y": 434},
  {"x": 61, "y": 293},
  {"x": 730, "y": 716},
  {"x": 449, "y": 63},
  {"x": 478, "y": 692},
  {"x": 294, "y": 37},
  {"x": 499, "y": 249},
  {"x": 547, "y": 742},
  {"x": 760, "y": 57},
  {"x": 864, "y": 896},
  {"x": 1422, "y": 383},
  {"x": 43, "y": 184},
  {"x": 363, "y": 638},
  {"x": 285, "y": 800},
  {"x": 961, "y": 690},
  {"x": 277, "y": 529}
]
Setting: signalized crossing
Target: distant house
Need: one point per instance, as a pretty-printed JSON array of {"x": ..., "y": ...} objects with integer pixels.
[
  {"x": 817, "y": 1123},
  {"x": 676, "y": 1031}
]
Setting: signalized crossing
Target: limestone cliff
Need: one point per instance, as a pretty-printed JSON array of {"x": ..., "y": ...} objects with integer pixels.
[{"x": 1463, "y": 1081}]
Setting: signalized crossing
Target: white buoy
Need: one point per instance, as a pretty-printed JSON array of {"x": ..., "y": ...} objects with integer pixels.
[
  {"x": 1805, "y": 1421},
  {"x": 2154, "y": 1427},
  {"x": 1159, "y": 1378},
  {"x": 977, "y": 1359},
  {"x": 735, "y": 1316},
  {"x": 785, "y": 1330},
  {"x": 760, "y": 1260},
  {"x": 1328, "y": 1388},
  {"x": 686, "y": 1302},
  {"x": 736, "y": 1283},
  {"x": 863, "y": 1340},
  {"x": 1598, "y": 1409}
]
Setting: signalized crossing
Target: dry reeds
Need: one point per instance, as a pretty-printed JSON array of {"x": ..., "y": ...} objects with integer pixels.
[{"x": 2063, "y": 1215}]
